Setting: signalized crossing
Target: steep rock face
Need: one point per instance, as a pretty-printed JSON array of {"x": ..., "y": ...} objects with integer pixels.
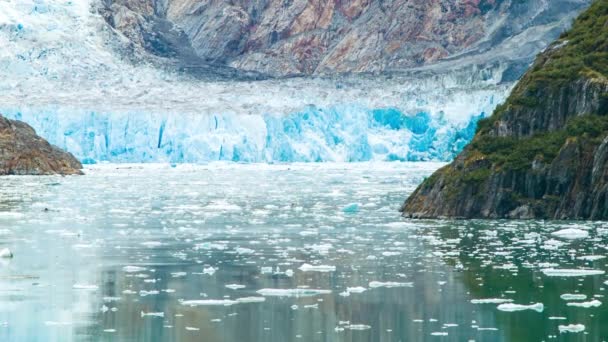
[
  {"x": 303, "y": 37},
  {"x": 544, "y": 153},
  {"x": 22, "y": 152}
]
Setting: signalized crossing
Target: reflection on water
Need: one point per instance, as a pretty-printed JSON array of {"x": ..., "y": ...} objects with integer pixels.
[{"x": 278, "y": 253}]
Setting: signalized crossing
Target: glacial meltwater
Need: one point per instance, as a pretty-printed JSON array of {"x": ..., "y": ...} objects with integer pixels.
[{"x": 275, "y": 253}]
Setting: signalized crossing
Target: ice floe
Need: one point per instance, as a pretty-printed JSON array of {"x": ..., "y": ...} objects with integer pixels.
[
  {"x": 292, "y": 292},
  {"x": 554, "y": 272},
  {"x": 572, "y": 328},
  {"x": 510, "y": 307},
  {"x": 317, "y": 268}
]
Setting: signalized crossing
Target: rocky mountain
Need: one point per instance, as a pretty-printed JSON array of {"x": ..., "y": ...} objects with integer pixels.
[
  {"x": 543, "y": 153},
  {"x": 304, "y": 37},
  {"x": 22, "y": 152}
]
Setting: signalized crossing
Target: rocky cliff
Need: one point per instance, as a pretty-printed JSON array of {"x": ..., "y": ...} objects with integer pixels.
[
  {"x": 22, "y": 152},
  {"x": 304, "y": 37},
  {"x": 544, "y": 153}
]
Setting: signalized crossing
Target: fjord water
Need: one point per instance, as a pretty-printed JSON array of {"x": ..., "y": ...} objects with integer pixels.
[{"x": 305, "y": 252}]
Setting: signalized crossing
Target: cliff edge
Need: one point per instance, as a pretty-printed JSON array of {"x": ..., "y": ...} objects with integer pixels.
[{"x": 544, "y": 152}]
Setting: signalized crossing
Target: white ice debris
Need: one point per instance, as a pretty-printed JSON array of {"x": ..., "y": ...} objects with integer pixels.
[
  {"x": 85, "y": 287},
  {"x": 235, "y": 286},
  {"x": 554, "y": 272},
  {"x": 591, "y": 304},
  {"x": 6, "y": 253},
  {"x": 509, "y": 307},
  {"x": 491, "y": 301},
  {"x": 251, "y": 300},
  {"x": 317, "y": 268},
  {"x": 209, "y": 270},
  {"x": 569, "y": 296},
  {"x": 209, "y": 302},
  {"x": 152, "y": 314},
  {"x": 389, "y": 284},
  {"x": 292, "y": 292},
  {"x": 133, "y": 269},
  {"x": 358, "y": 327},
  {"x": 572, "y": 328},
  {"x": 571, "y": 234}
]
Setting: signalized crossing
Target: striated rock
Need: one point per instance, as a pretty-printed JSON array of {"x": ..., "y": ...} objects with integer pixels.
[
  {"x": 22, "y": 152},
  {"x": 305, "y": 37},
  {"x": 544, "y": 153}
]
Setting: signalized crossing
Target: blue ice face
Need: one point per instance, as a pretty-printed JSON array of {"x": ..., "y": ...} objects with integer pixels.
[{"x": 341, "y": 133}]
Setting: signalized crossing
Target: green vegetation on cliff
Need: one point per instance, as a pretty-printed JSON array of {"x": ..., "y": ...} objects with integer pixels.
[{"x": 544, "y": 152}]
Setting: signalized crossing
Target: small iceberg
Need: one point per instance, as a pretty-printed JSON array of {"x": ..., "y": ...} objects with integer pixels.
[
  {"x": 152, "y": 314},
  {"x": 571, "y": 234},
  {"x": 509, "y": 307},
  {"x": 358, "y": 327},
  {"x": 572, "y": 328},
  {"x": 317, "y": 268},
  {"x": 491, "y": 301},
  {"x": 569, "y": 296},
  {"x": 85, "y": 287},
  {"x": 6, "y": 253},
  {"x": 235, "y": 286},
  {"x": 133, "y": 269},
  {"x": 591, "y": 304},
  {"x": 388, "y": 284},
  {"x": 351, "y": 208},
  {"x": 292, "y": 292},
  {"x": 554, "y": 272},
  {"x": 209, "y": 302}
]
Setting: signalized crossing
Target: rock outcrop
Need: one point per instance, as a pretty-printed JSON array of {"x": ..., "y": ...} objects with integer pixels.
[
  {"x": 542, "y": 154},
  {"x": 305, "y": 37},
  {"x": 22, "y": 152}
]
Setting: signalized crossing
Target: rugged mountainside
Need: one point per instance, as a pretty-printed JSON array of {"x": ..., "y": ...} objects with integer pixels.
[
  {"x": 22, "y": 152},
  {"x": 544, "y": 153},
  {"x": 303, "y": 37}
]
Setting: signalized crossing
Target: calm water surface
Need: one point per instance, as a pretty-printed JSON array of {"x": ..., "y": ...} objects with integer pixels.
[{"x": 282, "y": 253}]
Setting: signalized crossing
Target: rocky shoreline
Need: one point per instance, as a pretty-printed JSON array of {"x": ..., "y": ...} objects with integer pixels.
[
  {"x": 544, "y": 153},
  {"x": 23, "y": 152}
]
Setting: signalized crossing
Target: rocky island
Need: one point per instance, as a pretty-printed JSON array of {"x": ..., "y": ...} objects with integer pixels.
[
  {"x": 544, "y": 152},
  {"x": 23, "y": 152}
]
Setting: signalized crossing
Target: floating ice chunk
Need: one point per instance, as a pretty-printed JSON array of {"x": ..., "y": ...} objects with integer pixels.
[
  {"x": 555, "y": 318},
  {"x": 569, "y": 296},
  {"x": 554, "y": 272},
  {"x": 571, "y": 234},
  {"x": 591, "y": 304},
  {"x": 387, "y": 254},
  {"x": 6, "y": 253},
  {"x": 54, "y": 323},
  {"x": 358, "y": 327},
  {"x": 192, "y": 329},
  {"x": 243, "y": 250},
  {"x": 145, "y": 293},
  {"x": 179, "y": 274},
  {"x": 152, "y": 314},
  {"x": 209, "y": 302},
  {"x": 389, "y": 284},
  {"x": 133, "y": 269},
  {"x": 85, "y": 287},
  {"x": 572, "y": 328},
  {"x": 317, "y": 268},
  {"x": 292, "y": 292},
  {"x": 152, "y": 244},
  {"x": 251, "y": 300},
  {"x": 509, "y": 307},
  {"x": 351, "y": 208},
  {"x": 289, "y": 273},
  {"x": 209, "y": 270},
  {"x": 439, "y": 333},
  {"x": 491, "y": 301},
  {"x": 591, "y": 257},
  {"x": 357, "y": 289},
  {"x": 235, "y": 286}
]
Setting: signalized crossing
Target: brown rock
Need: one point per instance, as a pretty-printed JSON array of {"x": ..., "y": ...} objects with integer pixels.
[{"x": 22, "y": 152}]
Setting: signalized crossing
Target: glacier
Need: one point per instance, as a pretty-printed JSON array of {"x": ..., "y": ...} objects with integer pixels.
[
  {"x": 346, "y": 133},
  {"x": 62, "y": 75}
]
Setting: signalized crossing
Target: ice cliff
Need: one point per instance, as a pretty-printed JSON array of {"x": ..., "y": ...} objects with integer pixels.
[{"x": 61, "y": 73}]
